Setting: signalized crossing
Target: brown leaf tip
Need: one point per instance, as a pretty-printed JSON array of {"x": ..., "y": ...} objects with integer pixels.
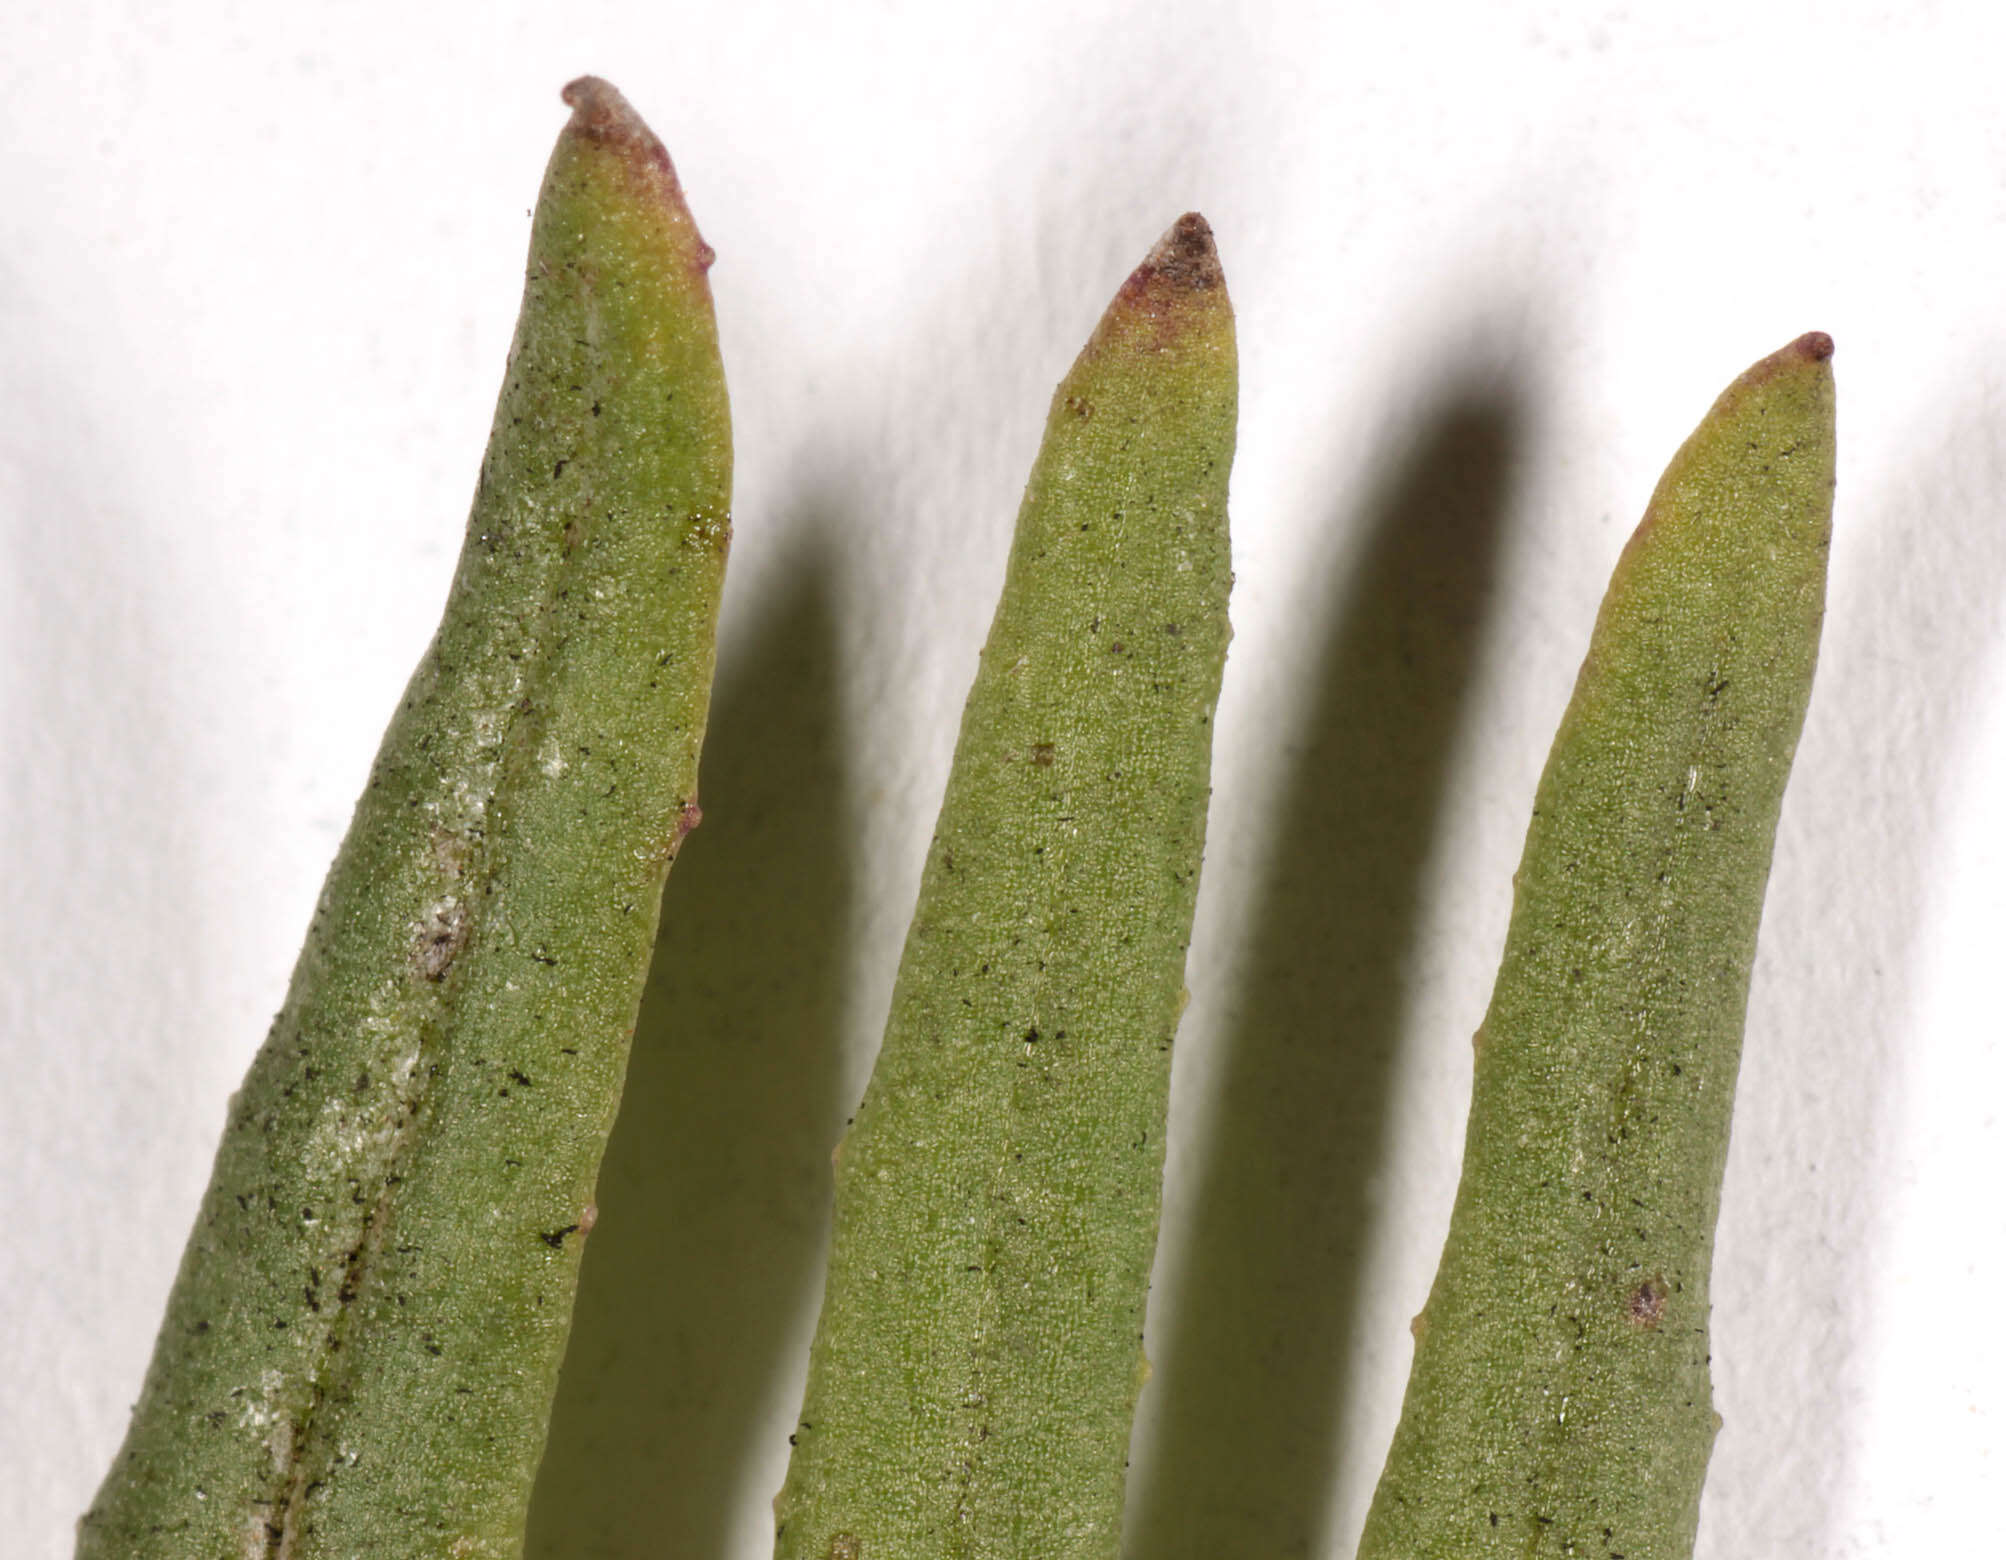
[
  {"x": 601, "y": 113},
  {"x": 1814, "y": 346},
  {"x": 600, "y": 110},
  {"x": 1185, "y": 256}
]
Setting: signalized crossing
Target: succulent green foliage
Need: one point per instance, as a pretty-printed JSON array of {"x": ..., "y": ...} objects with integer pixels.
[
  {"x": 361, "y": 1347},
  {"x": 975, "y": 1373},
  {"x": 1559, "y": 1403}
]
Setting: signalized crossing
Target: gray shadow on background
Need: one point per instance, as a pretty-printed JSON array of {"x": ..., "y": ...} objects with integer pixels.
[
  {"x": 1254, "y": 1374},
  {"x": 713, "y": 1199}
]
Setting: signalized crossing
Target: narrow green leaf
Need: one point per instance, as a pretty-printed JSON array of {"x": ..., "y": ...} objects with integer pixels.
[
  {"x": 361, "y": 1347},
  {"x": 1560, "y": 1402},
  {"x": 979, "y": 1354}
]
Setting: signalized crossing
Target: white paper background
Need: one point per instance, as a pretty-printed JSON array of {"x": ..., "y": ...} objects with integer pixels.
[{"x": 258, "y": 271}]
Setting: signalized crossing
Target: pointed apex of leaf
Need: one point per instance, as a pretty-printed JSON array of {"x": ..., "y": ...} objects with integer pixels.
[
  {"x": 1803, "y": 368},
  {"x": 1812, "y": 350},
  {"x": 1762, "y": 460},
  {"x": 1183, "y": 258},
  {"x": 603, "y": 120},
  {"x": 1179, "y": 279},
  {"x": 601, "y": 111},
  {"x": 1176, "y": 297}
]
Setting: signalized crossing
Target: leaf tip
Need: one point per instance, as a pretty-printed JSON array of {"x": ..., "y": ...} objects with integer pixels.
[
  {"x": 601, "y": 114},
  {"x": 1811, "y": 350},
  {"x": 599, "y": 109},
  {"x": 1177, "y": 295},
  {"x": 1185, "y": 258}
]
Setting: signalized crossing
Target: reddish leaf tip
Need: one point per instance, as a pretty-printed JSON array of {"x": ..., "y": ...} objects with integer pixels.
[
  {"x": 1178, "y": 283},
  {"x": 601, "y": 113},
  {"x": 1807, "y": 351},
  {"x": 599, "y": 108},
  {"x": 1185, "y": 256}
]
